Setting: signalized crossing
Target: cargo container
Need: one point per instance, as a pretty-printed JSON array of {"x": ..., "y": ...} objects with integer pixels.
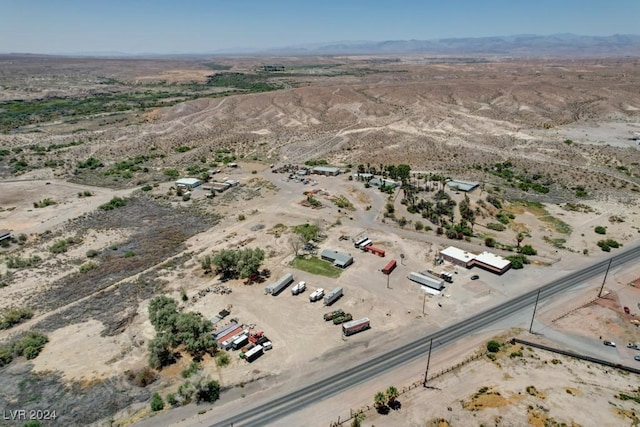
[
  {"x": 376, "y": 251},
  {"x": 355, "y": 326},
  {"x": 316, "y": 295},
  {"x": 276, "y": 287},
  {"x": 391, "y": 265},
  {"x": 228, "y": 343},
  {"x": 254, "y": 353},
  {"x": 333, "y": 296},
  {"x": 430, "y": 281},
  {"x": 299, "y": 288}
]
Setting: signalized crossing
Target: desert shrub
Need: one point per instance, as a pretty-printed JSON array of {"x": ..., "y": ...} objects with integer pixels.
[
  {"x": 515, "y": 354},
  {"x": 6, "y": 356},
  {"x": 157, "y": 404},
  {"x": 493, "y": 346},
  {"x": 29, "y": 345},
  {"x": 92, "y": 253},
  {"x": 182, "y": 149},
  {"x": 171, "y": 173},
  {"x": 191, "y": 369},
  {"x": 222, "y": 359},
  {"x": 528, "y": 250},
  {"x": 147, "y": 188},
  {"x": 490, "y": 242},
  {"x": 504, "y": 217},
  {"x": 114, "y": 203},
  {"x": 186, "y": 197},
  {"x": 241, "y": 217},
  {"x": 88, "y": 266},
  {"x": 15, "y": 317},
  {"x": 496, "y": 226},
  {"x": 59, "y": 247},
  {"x": 129, "y": 254},
  {"x": 419, "y": 226},
  {"x": 17, "y": 262},
  {"x": 90, "y": 163},
  {"x": 517, "y": 261},
  {"x": 141, "y": 378},
  {"x": 43, "y": 203},
  {"x": 494, "y": 201},
  {"x": 171, "y": 400},
  {"x": 600, "y": 230}
]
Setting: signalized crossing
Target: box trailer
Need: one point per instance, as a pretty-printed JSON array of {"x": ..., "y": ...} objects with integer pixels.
[
  {"x": 333, "y": 296},
  {"x": 391, "y": 265},
  {"x": 355, "y": 326},
  {"x": 316, "y": 295},
  {"x": 430, "y": 281},
  {"x": 227, "y": 343},
  {"x": 276, "y": 287},
  {"x": 254, "y": 353}
]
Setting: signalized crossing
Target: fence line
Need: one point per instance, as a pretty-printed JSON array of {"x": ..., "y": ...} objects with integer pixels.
[{"x": 406, "y": 389}]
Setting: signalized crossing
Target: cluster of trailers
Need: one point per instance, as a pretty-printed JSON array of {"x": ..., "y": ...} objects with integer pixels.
[
  {"x": 349, "y": 326},
  {"x": 319, "y": 294},
  {"x": 235, "y": 337},
  {"x": 365, "y": 244}
]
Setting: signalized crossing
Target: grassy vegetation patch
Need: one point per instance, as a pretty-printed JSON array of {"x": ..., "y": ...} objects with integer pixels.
[
  {"x": 343, "y": 203},
  {"x": 317, "y": 266},
  {"x": 156, "y": 232},
  {"x": 15, "y": 317},
  {"x": 541, "y": 213},
  {"x": 28, "y": 345},
  {"x": 250, "y": 82}
]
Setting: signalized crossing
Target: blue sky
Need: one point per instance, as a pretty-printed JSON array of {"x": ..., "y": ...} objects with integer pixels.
[{"x": 201, "y": 26}]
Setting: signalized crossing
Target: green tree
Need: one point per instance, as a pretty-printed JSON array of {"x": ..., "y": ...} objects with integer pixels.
[
  {"x": 157, "y": 404},
  {"x": 493, "y": 346},
  {"x": 528, "y": 250},
  {"x": 226, "y": 261},
  {"x": 380, "y": 401},
  {"x": 160, "y": 353},
  {"x": 249, "y": 262},
  {"x": 490, "y": 242},
  {"x": 392, "y": 395},
  {"x": 208, "y": 391},
  {"x": 519, "y": 239},
  {"x": 162, "y": 312},
  {"x": 358, "y": 418}
]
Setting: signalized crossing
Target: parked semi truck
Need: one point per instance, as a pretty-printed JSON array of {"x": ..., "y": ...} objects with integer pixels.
[
  {"x": 299, "y": 288},
  {"x": 316, "y": 295},
  {"x": 254, "y": 353},
  {"x": 333, "y": 296},
  {"x": 430, "y": 281},
  {"x": 355, "y": 326}
]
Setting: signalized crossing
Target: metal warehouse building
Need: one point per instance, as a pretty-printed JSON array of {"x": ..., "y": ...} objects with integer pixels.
[
  {"x": 465, "y": 186},
  {"x": 326, "y": 170},
  {"x": 189, "y": 183},
  {"x": 339, "y": 259}
]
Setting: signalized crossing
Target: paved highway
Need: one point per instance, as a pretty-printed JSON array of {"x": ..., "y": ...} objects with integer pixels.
[{"x": 291, "y": 402}]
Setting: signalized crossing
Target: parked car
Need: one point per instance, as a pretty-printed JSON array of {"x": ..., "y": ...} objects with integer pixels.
[
  {"x": 637, "y": 357},
  {"x": 267, "y": 346},
  {"x": 475, "y": 277},
  {"x": 609, "y": 343},
  {"x": 634, "y": 346}
]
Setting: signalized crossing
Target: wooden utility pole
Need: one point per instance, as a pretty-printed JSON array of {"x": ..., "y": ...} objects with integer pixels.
[
  {"x": 605, "y": 278},
  {"x": 534, "y": 312},
  {"x": 426, "y": 372}
]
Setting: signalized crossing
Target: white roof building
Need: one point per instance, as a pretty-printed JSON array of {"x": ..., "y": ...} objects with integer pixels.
[
  {"x": 188, "y": 182},
  {"x": 458, "y": 256},
  {"x": 492, "y": 262}
]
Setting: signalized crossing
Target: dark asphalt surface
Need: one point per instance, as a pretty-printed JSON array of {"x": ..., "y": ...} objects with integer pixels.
[{"x": 287, "y": 404}]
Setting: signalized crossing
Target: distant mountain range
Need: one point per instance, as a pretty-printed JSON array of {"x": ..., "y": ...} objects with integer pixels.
[{"x": 517, "y": 45}]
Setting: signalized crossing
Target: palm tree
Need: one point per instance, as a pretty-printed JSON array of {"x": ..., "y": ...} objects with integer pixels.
[
  {"x": 380, "y": 401},
  {"x": 392, "y": 395},
  {"x": 358, "y": 418},
  {"x": 519, "y": 239}
]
